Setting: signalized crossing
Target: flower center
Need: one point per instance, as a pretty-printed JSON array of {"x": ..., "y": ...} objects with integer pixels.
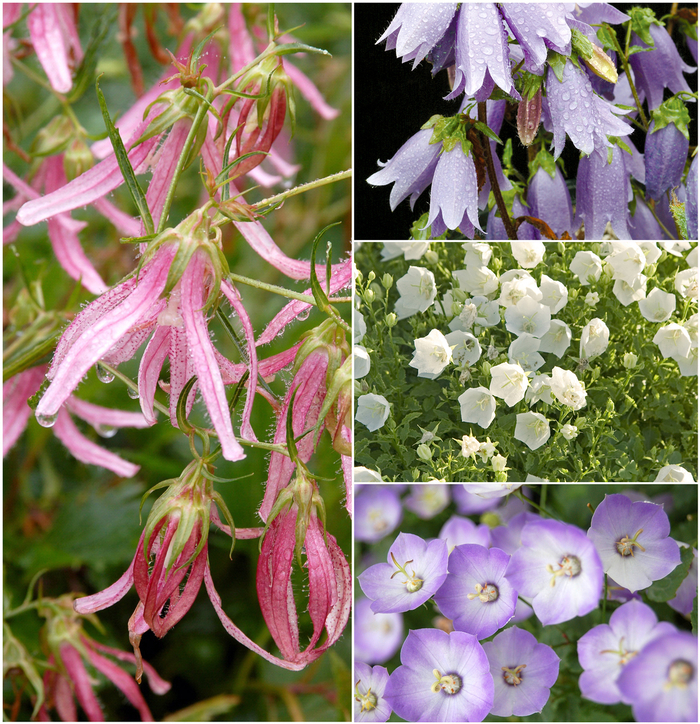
[
  {"x": 568, "y": 566},
  {"x": 529, "y": 326},
  {"x": 625, "y": 655},
  {"x": 425, "y": 288},
  {"x": 486, "y": 593},
  {"x": 625, "y": 546},
  {"x": 440, "y": 353},
  {"x": 680, "y": 672},
  {"x": 513, "y": 676},
  {"x": 412, "y": 582},
  {"x": 468, "y": 314},
  {"x": 449, "y": 683},
  {"x": 368, "y": 700},
  {"x": 377, "y": 520}
]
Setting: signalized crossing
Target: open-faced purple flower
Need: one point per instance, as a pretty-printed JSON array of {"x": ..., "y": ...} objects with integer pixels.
[
  {"x": 605, "y": 650},
  {"x": 442, "y": 677},
  {"x": 481, "y": 53},
  {"x": 377, "y": 636},
  {"x": 370, "y": 682},
  {"x": 665, "y": 154},
  {"x": 469, "y": 504},
  {"x": 559, "y": 568},
  {"x": 378, "y": 511},
  {"x": 662, "y": 680},
  {"x": 550, "y": 199},
  {"x": 411, "y": 169},
  {"x": 454, "y": 194},
  {"x": 414, "y": 572},
  {"x": 476, "y": 595},
  {"x": 633, "y": 541},
  {"x": 458, "y": 531},
  {"x": 523, "y": 672}
]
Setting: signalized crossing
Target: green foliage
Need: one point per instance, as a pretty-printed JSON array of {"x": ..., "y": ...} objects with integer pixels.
[{"x": 666, "y": 588}]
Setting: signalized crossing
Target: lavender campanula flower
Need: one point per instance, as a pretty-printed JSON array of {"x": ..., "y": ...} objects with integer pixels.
[
  {"x": 643, "y": 225},
  {"x": 691, "y": 205},
  {"x": 605, "y": 650},
  {"x": 659, "y": 68},
  {"x": 370, "y": 683},
  {"x": 523, "y": 672},
  {"x": 476, "y": 594},
  {"x": 410, "y": 170},
  {"x": 470, "y": 504},
  {"x": 549, "y": 198},
  {"x": 377, "y": 512},
  {"x": 665, "y": 152},
  {"x": 633, "y": 541},
  {"x": 458, "y": 531},
  {"x": 426, "y": 501},
  {"x": 442, "y": 677},
  {"x": 414, "y": 572},
  {"x": 602, "y": 192},
  {"x": 417, "y": 28},
  {"x": 662, "y": 680},
  {"x": 377, "y": 636},
  {"x": 559, "y": 567},
  {"x": 572, "y": 108}
]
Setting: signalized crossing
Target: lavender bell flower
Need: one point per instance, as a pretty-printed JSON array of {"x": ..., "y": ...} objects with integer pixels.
[
  {"x": 476, "y": 595},
  {"x": 688, "y": 590},
  {"x": 550, "y": 200},
  {"x": 602, "y": 192},
  {"x": 458, "y": 531},
  {"x": 691, "y": 205},
  {"x": 370, "y": 683},
  {"x": 642, "y": 224},
  {"x": 410, "y": 170},
  {"x": 442, "y": 677},
  {"x": 377, "y": 636},
  {"x": 426, "y": 501},
  {"x": 377, "y": 512},
  {"x": 523, "y": 672},
  {"x": 605, "y": 650},
  {"x": 414, "y": 572},
  {"x": 665, "y": 152},
  {"x": 632, "y": 540}
]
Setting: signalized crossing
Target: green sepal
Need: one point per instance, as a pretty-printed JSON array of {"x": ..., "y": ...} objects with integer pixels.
[
  {"x": 607, "y": 37},
  {"x": 238, "y": 391},
  {"x": 641, "y": 19},
  {"x": 633, "y": 49},
  {"x": 16, "y": 656},
  {"x": 342, "y": 376},
  {"x": 289, "y": 48},
  {"x": 137, "y": 239},
  {"x": 431, "y": 122},
  {"x": 125, "y": 167},
  {"x": 181, "y": 409},
  {"x": 31, "y": 357},
  {"x": 580, "y": 44},
  {"x": 544, "y": 160},
  {"x": 529, "y": 84},
  {"x": 53, "y": 138},
  {"x": 618, "y": 141},
  {"x": 86, "y": 69},
  {"x": 221, "y": 505},
  {"x": 556, "y": 63},
  {"x": 157, "y": 486},
  {"x": 483, "y": 128},
  {"x": 672, "y": 111},
  {"x": 679, "y": 216},
  {"x": 291, "y": 445},
  {"x": 200, "y": 46},
  {"x": 319, "y": 295}
]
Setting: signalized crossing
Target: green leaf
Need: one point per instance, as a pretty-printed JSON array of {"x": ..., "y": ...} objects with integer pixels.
[
  {"x": 132, "y": 184},
  {"x": 86, "y": 70},
  {"x": 319, "y": 295},
  {"x": 666, "y": 588},
  {"x": 606, "y": 35},
  {"x": 487, "y": 132},
  {"x": 641, "y": 19}
]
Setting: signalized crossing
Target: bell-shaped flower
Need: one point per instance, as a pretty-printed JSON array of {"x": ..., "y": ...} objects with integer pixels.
[
  {"x": 458, "y": 530},
  {"x": 509, "y": 382},
  {"x": 587, "y": 266},
  {"x": 659, "y": 68},
  {"x": 477, "y": 405},
  {"x": 417, "y": 291},
  {"x": 411, "y": 169},
  {"x": 658, "y": 305},
  {"x": 524, "y": 351},
  {"x": 567, "y": 388},
  {"x": 673, "y": 474},
  {"x": 361, "y": 362},
  {"x": 627, "y": 261},
  {"x": 572, "y": 108},
  {"x": 532, "y": 429},
  {"x": 554, "y": 294},
  {"x": 557, "y": 339},
  {"x": 665, "y": 154},
  {"x": 540, "y": 390},
  {"x": 481, "y": 53},
  {"x": 378, "y": 511},
  {"x": 465, "y": 347},
  {"x": 514, "y": 289},
  {"x": 549, "y": 199},
  {"x": 453, "y": 197},
  {"x": 594, "y": 339},
  {"x": 432, "y": 355},
  {"x": 372, "y": 411},
  {"x": 376, "y": 636},
  {"x": 602, "y": 192},
  {"x": 427, "y": 501},
  {"x": 411, "y": 250},
  {"x": 359, "y": 326},
  {"x": 528, "y": 317},
  {"x": 686, "y": 283},
  {"x": 673, "y": 341},
  {"x": 634, "y": 292},
  {"x": 477, "y": 280}
]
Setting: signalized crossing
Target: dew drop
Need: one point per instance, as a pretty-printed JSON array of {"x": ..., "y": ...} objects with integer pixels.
[
  {"x": 134, "y": 394},
  {"x": 487, "y": 50},
  {"x": 105, "y": 431},
  {"x": 541, "y": 32},
  {"x": 304, "y": 315},
  {"x": 573, "y": 106},
  {"x": 565, "y": 96},
  {"x": 579, "y": 128},
  {"x": 46, "y": 420},
  {"x": 566, "y": 116},
  {"x": 549, "y": 13},
  {"x": 104, "y": 375}
]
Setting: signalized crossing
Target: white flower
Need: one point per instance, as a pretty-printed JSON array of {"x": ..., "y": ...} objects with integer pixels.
[
  {"x": 557, "y": 339},
  {"x": 489, "y": 314},
  {"x": 629, "y": 360},
  {"x": 627, "y": 260},
  {"x": 692, "y": 258},
  {"x": 417, "y": 289},
  {"x": 478, "y": 253},
  {"x": 592, "y": 299},
  {"x": 527, "y": 253},
  {"x": 470, "y": 445},
  {"x": 528, "y": 316},
  {"x": 554, "y": 294},
  {"x": 540, "y": 390},
  {"x": 651, "y": 251},
  {"x": 477, "y": 405},
  {"x": 674, "y": 474},
  {"x": 465, "y": 347},
  {"x": 569, "y": 431},
  {"x": 489, "y": 491},
  {"x": 586, "y": 265},
  {"x": 515, "y": 288},
  {"x": 360, "y": 362},
  {"x": 567, "y": 388},
  {"x": 487, "y": 450},
  {"x": 524, "y": 351},
  {"x": 359, "y": 328},
  {"x": 477, "y": 280},
  {"x": 594, "y": 339},
  {"x": 675, "y": 247},
  {"x": 411, "y": 250},
  {"x": 628, "y": 293},
  {"x": 673, "y": 341},
  {"x": 686, "y": 283},
  {"x": 691, "y": 327},
  {"x": 372, "y": 411},
  {"x": 432, "y": 355},
  {"x": 532, "y": 429},
  {"x": 688, "y": 366},
  {"x": 365, "y": 475},
  {"x": 658, "y": 306},
  {"x": 533, "y": 479},
  {"x": 467, "y": 316},
  {"x": 498, "y": 463},
  {"x": 508, "y": 382}
]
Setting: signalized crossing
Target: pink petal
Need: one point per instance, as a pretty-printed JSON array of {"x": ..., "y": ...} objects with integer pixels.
[
  {"x": 181, "y": 371},
  {"x": 98, "y": 415},
  {"x": 81, "y": 681},
  {"x": 87, "y": 451},
  {"x": 149, "y": 371},
  {"x": 347, "y": 464},
  {"x": 50, "y": 45},
  {"x": 262, "y": 178},
  {"x": 15, "y": 410},
  {"x": 202, "y": 350},
  {"x": 241, "y": 49},
  {"x": 310, "y": 92},
  {"x": 130, "y": 343},
  {"x": 109, "y": 596},
  {"x": 241, "y": 533},
  {"x": 63, "y": 698},
  {"x": 124, "y": 223}
]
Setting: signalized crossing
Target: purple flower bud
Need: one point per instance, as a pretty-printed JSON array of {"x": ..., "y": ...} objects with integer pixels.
[
  {"x": 691, "y": 206},
  {"x": 550, "y": 200},
  {"x": 529, "y": 114},
  {"x": 665, "y": 151}
]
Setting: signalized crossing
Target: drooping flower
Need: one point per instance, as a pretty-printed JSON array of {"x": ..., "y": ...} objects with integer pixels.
[
  {"x": 549, "y": 198},
  {"x": 411, "y": 250},
  {"x": 476, "y": 595},
  {"x": 686, "y": 283},
  {"x": 559, "y": 568},
  {"x": 378, "y": 511},
  {"x": 509, "y": 382},
  {"x": 570, "y": 432},
  {"x": 633, "y": 541},
  {"x": 594, "y": 339},
  {"x": 658, "y": 305},
  {"x": 377, "y": 636},
  {"x": 372, "y": 411},
  {"x": 607, "y": 649},
  {"x": 523, "y": 672},
  {"x": 414, "y": 572},
  {"x": 432, "y": 355},
  {"x": 567, "y": 388},
  {"x": 532, "y": 428},
  {"x": 691, "y": 204},
  {"x": 442, "y": 677},
  {"x": 662, "y": 680},
  {"x": 557, "y": 339},
  {"x": 477, "y": 405},
  {"x": 665, "y": 154},
  {"x": 370, "y": 704},
  {"x": 362, "y": 474}
]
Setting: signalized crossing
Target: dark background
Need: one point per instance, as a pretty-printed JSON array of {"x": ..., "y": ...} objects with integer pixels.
[{"x": 392, "y": 102}]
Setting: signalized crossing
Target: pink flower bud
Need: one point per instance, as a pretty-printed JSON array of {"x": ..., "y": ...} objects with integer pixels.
[{"x": 529, "y": 113}]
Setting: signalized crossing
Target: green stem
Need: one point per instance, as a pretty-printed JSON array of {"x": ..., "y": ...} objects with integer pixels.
[
  {"x": 132, "y": 385},
  {"x": 626, "y": 67},
  {"x": 282, "y": 291},
  {"x": 605, "y": 595},
  {"x": 267, "y": 52},
  {"x": 519, "y": 494}
]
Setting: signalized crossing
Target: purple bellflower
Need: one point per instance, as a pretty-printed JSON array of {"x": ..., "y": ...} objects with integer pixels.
[
  {"x": 458, "y": 531},
  {"x": 691, "y": 205},
  {"x": 665, "y": 153},
  {"x": 476, "y": 595},
  {"x": 662, "y": 680},
  {"x": 377, "y": 636},
  {"x": 605, "y": 650},
  {"x": 370, "y": 682},
  {"x": 549, "y": 199},
  {"x": 632, "y": 541},
  {"x": 414, "y": 572},
  {"x": 442, "y": 677},
  {"x": 559, "y": 568},
  {"x": 470, "y": 504},
  {"x": 377, "y": 512},
  {"x": 523, "y": 672}
]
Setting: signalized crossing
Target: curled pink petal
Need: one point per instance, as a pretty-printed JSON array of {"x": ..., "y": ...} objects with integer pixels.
[
  {"x": 310, "y": 92},
  {"x": 181, "y": 370},
  {"x": 262, "y": 178},
  {"x": 97, "y": 415},
  {"x": 81, "y": 681},
  {"x": 158, "y": 685},
  {"x": 15, "y": 410},
  {"x": 46, "y": 24},
  {"x": 109, "y": 596},
  {"x": 63, "y": 698},
  {"x": 149, "y": 371}
]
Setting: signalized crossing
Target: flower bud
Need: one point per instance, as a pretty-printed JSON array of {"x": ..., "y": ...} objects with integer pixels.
[
  {"x": 601, "y": 64},
  {"x": 54, "y": 137},
  {"x": 424, "y": 452},
  {"x": 387, "y": 281},
  {"x": 371, "y": 276},
  {"x": 369, "y": 295},
  {"x": 77, "y": 159},
  {"x": 498, "y": 463},
  {"x": 629, "y": 360},
  {"x": 391, "y": 319},
  {"x": 569, "y": 431},
  {"x": 529, "y": 114},
  {"x": 431, "y": 256}
]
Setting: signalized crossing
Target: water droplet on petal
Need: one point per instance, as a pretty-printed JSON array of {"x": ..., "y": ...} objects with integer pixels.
[
  {"x": 565, "y": 96},
  {"x": 105, "y": 431},
  {"x": 566, "y": 116},
  {"x": 579, "y": 128},
  {"x": 541, "y": 32},
  {"x": 46, "y": 420},
  {"x": 304, "y": 315},
  {"x": 487, "y": 50},
  {"x": 104, "y": 375},
  {"x": 134, "y": 394},
  {"x": 573, "y": 106}
]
